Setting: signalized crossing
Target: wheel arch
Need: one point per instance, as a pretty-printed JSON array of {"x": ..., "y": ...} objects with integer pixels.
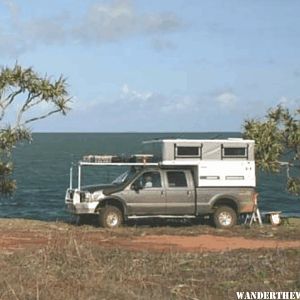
[
  {"x": 113, "y": 201},
  {"x": 226, "y": 200}
]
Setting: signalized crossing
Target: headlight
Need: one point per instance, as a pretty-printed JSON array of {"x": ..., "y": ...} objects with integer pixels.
[
  {"x": 97, "y": 196},
  {"x": 76, "y": 197},
  {"x": 80, "y": 196},
  {"x": 85, "y": 196}
]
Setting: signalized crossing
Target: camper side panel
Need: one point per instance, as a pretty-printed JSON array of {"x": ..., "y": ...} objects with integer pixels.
[{"x": 226, "y": 173}]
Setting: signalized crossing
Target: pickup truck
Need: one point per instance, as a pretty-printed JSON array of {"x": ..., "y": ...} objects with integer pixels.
[{"x": 162, "y": 192}]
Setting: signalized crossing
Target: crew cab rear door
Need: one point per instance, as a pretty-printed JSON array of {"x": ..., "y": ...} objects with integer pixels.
[{"x": 180, "y": 192}]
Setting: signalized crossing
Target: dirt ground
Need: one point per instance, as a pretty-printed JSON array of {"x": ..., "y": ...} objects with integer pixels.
[
  {"x": 199, "y": 243},
  {"x": 26, "y": 234},
  {"x": 166, "y": 260}
]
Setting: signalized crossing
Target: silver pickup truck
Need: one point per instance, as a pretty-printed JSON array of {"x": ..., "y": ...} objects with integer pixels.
[{"x": 162, "y": 192}]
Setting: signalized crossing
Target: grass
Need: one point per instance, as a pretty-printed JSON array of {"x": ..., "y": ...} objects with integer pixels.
[
  {"x": 289, "y": 230},
  {"x": 70, "y": 268},
  {"x": 75, "y": 271}
]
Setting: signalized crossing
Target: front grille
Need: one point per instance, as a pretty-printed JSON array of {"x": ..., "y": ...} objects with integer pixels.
[
  {"x": 82, "y": 196},
  {"x": 71, "y": 195}
]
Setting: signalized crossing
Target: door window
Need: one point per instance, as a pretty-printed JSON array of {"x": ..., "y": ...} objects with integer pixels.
[
  {"x": 151, "y": 180},
  {"x": 176, "y": 179}
]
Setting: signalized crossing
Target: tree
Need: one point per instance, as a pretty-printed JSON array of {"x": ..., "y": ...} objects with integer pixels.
[
  {"x": 33, "y": 98},
  {"x": 277, "y": 140}
]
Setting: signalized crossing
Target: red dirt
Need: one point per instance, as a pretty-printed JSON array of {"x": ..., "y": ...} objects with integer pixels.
[
  {"x": 21, "y": 239},
  {"x": 200, "y": 243},
  {"x": 13, "y": 240}
]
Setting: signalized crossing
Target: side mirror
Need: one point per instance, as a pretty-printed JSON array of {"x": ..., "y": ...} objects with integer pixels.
[{"x": 136, "y": 186}]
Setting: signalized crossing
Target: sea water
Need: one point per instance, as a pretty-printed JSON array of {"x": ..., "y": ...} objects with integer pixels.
[{"x": 42, "y": 172}]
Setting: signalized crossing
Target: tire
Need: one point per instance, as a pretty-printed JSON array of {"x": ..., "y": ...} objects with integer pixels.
[
  {"x": 82, "y": 219},
  {"x": 110, "y": 217},
  {"x": 225, "y": 217}
]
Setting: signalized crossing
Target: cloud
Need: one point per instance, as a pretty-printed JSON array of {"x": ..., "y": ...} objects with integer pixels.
[
  {"x": 12, "y": 7},
  {"x": 160, "y": 103},
  {"x": 106, "y": 23},
  {"x": 179, "y": 104},
  {"x": 46, "y": 30},
  {"x": 100, "y": 23},
  {"x": 291, "y": 103},
  {"x": 134, "y": 96},
  {"x": 145, "y": 110},
  {"x": 19, "y": 34},
  {"x": 164, "y": 22},
  {"x": 296, "y": 73},
  {"x": 10, "y": 44},
  {"x": 160, "y": 44},
  {"x": 137, "y": 109},
  {"x": 227, "y": 99}
]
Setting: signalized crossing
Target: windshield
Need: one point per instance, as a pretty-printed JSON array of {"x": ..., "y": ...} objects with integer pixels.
[{"x": 126, "y": 176}]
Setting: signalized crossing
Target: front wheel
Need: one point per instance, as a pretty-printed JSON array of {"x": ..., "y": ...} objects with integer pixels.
[
  {"x": 110, "y": 217},
  {"x": 225, "y": 217}
]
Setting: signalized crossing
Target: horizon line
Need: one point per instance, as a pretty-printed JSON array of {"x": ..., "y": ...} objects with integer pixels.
[{"x": 136, "y": 132}]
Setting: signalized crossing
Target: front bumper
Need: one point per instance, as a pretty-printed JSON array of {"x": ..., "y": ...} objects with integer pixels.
[{"x": 81, "y": 208}]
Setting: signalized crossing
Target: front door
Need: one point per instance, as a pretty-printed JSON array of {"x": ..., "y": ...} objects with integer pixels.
[
  {"x": 180, "y": 193},
  {"x": 149, "y": 198}
]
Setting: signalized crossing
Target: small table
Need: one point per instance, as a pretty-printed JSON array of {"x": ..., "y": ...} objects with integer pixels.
[{"x": 274, "y": 217}]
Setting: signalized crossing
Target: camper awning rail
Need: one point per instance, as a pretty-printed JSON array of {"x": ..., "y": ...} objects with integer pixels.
[
  {"x": 120, "y": 164},
  {"x": 83, "y": 163}
]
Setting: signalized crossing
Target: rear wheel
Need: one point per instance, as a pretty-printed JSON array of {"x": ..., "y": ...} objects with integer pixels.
[
  {"x": 225, "y": 217},
  {"x": 110, "y": 217}
]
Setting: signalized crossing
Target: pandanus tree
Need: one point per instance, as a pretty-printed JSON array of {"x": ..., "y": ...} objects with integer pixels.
[
  {"x": 25, "y": 97},
  {"x": 277, "y": 139}
]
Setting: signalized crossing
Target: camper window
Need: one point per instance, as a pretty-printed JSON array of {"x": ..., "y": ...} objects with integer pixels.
[
  {"x": 188, "y": 151},
  {"x": 235, "y": 152}
]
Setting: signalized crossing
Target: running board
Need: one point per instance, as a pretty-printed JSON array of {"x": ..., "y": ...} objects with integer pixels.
[{"x": 163, "y": 216}]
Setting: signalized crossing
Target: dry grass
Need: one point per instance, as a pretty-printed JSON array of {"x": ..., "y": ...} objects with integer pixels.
[
  {"x": 69, "y": 268},
  {"x": 289, "y": 230}
]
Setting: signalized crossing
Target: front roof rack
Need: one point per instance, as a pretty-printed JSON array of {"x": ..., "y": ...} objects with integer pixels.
[{"x": 84, "y": 163}]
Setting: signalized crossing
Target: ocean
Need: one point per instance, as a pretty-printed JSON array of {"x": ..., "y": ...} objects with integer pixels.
[{"x": 42, "y": 172}]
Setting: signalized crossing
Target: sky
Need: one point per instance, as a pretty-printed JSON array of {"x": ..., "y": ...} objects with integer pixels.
[{"x": 159, "y": 65}]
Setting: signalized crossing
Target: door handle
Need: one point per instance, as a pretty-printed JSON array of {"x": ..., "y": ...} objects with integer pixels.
[
  {"x": 188, "y": 193},
  {"x": 162, "y": 192}
]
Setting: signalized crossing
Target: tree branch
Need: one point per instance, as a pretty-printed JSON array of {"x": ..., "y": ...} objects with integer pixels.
[
  {"x": 2, "y": 113},
  {"x": 4, "y": 103},
  {"x": 10, "y": 98},
  {"x": 26, "y": 106},
  {"x": 21, "y": 111},
  {"x": 41, "y": 117}
]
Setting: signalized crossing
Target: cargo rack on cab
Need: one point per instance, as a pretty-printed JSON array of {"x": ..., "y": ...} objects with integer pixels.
[{"x": 140, "y": 160}]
